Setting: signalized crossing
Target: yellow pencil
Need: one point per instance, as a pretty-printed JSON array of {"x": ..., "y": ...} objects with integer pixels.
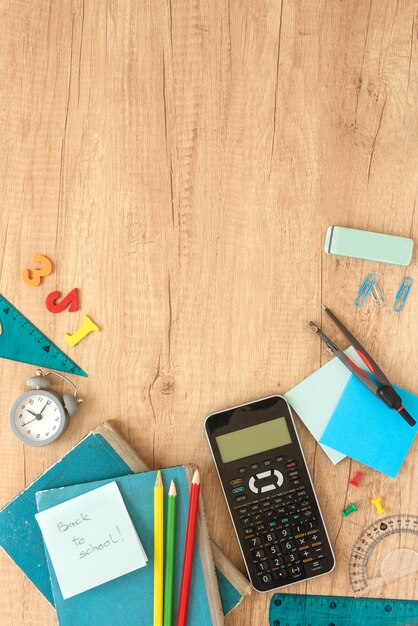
[{"x": 158, "y": 550}]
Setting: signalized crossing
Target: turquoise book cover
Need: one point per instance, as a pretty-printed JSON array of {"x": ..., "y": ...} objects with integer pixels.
[{"x": 128, "y": 600}]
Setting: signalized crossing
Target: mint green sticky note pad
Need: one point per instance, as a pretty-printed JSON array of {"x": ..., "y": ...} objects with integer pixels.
[{"x": 367, "y": 245}]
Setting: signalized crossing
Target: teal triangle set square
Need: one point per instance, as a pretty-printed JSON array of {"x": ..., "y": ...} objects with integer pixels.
[{"x": 20, "y": 340}]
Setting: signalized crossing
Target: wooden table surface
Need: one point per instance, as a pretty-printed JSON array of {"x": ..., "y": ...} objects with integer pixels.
[{"x": 180, "y": 162}]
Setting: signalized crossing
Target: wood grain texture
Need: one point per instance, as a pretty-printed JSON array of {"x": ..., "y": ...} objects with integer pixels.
[{"x": 180, "y": 161}]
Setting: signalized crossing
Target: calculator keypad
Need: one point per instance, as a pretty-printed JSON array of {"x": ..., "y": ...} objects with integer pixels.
[{"x": 280, "y": 526}]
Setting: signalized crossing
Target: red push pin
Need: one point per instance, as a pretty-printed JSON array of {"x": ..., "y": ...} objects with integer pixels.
[{"x": 356, "y": 479}]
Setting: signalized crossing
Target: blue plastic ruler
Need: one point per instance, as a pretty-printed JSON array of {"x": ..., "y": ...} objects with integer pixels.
[
  {"x": 297, "y": 610},
  {"x": 21, "y": 341}
]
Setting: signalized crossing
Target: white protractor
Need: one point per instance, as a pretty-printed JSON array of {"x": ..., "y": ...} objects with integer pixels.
[{"x": 391, "y": 560}]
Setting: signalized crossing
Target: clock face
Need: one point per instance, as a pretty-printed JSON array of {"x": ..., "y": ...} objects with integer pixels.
[{"x": 37, "y": 417}]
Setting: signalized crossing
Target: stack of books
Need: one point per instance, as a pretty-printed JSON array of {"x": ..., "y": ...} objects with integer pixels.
[{"x": 101, "y": 457}]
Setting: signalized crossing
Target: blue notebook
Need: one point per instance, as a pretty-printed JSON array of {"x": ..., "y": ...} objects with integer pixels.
[
  {"x": 101, "y": 454},
  {"x": 107, "y": 605}
]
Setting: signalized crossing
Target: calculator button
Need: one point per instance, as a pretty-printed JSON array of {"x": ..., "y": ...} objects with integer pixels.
[
  {"x": 258, "y": 554},
  {"x": 273, "y": 550},
  {"x": 279, "y": 459},
  {"x": 316, "y": 544},
  {"x": 249, "y": 532},
  {"x": 301, "y": 493},
  {"x": 251, "y": 484},
  {"x": 299, "y": 535},
  {"x": 235, "y": 481},
  {"x": 285, "y": 533},
  {"x": 293, "y": 474},
  {"x": 273, "y": 523},
  {"x": 301, "y": 543},
  {"x": 305, "y": 554},
  {"x": 280, "y": 574},
  {"x": 295, "y": 571},
  {"x": 287, "y": 544},
  {"x": 242, "y": 498},
  {"x": 315, "y": 565},
  {"x": 311, "y": 524},
  {"x": 254, "y": 466},
  {"x": 238, "y": 489},
  {"x": 276, "y": 562},
  {"x": 275, "y": 476},
  {"x": 266, "y": 504},
  {"x": 278, "y": 502},
  {"x": 243, "y": 510},
  {"x": 258, "y": 518},
  {"x": 296, "y": 483},
  {"x": 291, "y": 464},
  {"x": 262, "y": 566},
  {"x": 291, "y": 558},
  {"x": 242, "y": 470},
  {"x": 266, "y": 578},
  {"x": 308, "y": 514},
  {"x": 267, "y": 462},
  {"x": 254, "y": 507},
  {"x": 269, "y": 537},
  {"x": 254, "y": 542},
  {"x": 268, "y": 488},
  {"x": 299, "y": 529},
  {"x": 268, "y": 515},
  {"x": 314, "y": 537},
  {"x": 245, "y": 521}
]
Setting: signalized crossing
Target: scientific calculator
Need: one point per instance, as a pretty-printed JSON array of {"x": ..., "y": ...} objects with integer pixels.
[{"x": 269, "y": 493}]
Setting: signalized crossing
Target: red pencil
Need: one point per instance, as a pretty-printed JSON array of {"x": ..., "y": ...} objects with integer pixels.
[{"x": 189, "y": 550}]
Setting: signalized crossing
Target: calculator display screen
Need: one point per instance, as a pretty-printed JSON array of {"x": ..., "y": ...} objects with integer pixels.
[{"x": 253, "y": 440}]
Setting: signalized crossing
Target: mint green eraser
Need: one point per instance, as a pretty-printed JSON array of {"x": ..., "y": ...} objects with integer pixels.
[{"x": 364, "y": 244}]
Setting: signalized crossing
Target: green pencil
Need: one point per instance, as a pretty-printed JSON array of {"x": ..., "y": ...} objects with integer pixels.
[{"x": 170, "y": 555}]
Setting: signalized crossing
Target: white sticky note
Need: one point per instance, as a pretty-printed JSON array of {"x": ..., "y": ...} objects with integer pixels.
[{"x": 91, "y": 540}]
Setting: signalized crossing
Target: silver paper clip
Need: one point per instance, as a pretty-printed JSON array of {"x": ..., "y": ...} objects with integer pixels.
[
  {"x": 365, "y": 287},
  {"x": 378, "y": 295},
  {"x": 402, "y": 294}
]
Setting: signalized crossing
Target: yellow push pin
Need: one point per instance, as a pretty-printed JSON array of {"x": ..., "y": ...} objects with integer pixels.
[{"x": 378, "y": 505}]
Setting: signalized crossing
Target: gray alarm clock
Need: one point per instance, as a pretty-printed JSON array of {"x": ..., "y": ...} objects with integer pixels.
[{"x": 38, "y": 417}]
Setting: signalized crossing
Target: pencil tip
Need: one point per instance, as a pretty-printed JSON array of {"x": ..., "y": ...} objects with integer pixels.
[
  {"x": 158, "y": 480},
  {"x": 196, "y": 477},
  {"x": 173, "y": 490},
  {"x": 323, "y": 306}
]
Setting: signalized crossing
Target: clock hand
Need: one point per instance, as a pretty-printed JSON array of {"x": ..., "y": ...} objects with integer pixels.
[
  {"x": 46, "y": 404},
  {"x": 31, "y": 412},
  {"x": 30, "y": 422}
]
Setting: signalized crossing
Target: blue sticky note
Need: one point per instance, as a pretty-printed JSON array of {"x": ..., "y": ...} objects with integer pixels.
[{"x": 365, "y": 429}]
